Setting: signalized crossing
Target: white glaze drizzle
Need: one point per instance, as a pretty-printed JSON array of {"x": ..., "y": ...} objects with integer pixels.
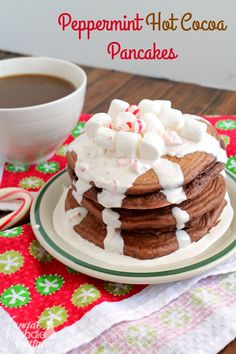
[
  {"x": 109, "y": 199},
  {"x": 169, "y": 173},
  {"x": 182, "y": 238},
  {"x": 111, "y": 218},
  {"x": 75, "y": 216},
  {"x": 81, "y": 188},
  {"x": 181, "y": 217},
  {"x": 175, "y": 196},
  {"x": 208, "y": 144},
  {"x": 113, "y": 241},
  {"x": 171, "y": 179},
  {"x": 103, "y": 168}
]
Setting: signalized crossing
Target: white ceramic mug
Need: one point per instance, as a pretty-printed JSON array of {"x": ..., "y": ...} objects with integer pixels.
[{"x": 31, "y": 134}]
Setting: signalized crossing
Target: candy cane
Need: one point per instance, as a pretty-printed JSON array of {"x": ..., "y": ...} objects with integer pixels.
[
  {"x": 134, "y": 109},
  {"x": 127, "y": 126},
  {"x": 139, "y": 126},
  {"x": 10, "y": 194}
]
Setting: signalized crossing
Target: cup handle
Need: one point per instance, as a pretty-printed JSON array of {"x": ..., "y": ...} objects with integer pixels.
[{"x": 15, "y": 194}]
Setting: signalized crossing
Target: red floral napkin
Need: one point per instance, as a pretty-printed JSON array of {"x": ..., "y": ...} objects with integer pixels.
[{"x": 38, "y": 290}]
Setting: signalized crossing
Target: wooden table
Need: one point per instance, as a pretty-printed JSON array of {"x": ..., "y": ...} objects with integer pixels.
[{"x": 104, "y": 85}]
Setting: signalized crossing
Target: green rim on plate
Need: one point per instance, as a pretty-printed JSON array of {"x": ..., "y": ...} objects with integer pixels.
[{"x": 71, "y": 258}]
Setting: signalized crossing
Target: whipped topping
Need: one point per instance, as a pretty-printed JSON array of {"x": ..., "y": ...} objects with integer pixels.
[{"x": 119, "y": 146}]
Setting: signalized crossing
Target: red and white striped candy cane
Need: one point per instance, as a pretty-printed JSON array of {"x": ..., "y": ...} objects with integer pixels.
[
  {"x": 15, "y": 194},
  {"x": 139, "y": 126},
  {"x": 134, "y": 109}
]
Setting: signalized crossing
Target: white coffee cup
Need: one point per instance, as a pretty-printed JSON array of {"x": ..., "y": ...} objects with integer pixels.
[{"x": 31, "y": 134}]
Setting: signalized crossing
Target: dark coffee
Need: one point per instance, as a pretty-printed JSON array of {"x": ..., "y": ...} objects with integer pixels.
[{"x": 31, "y": 90}]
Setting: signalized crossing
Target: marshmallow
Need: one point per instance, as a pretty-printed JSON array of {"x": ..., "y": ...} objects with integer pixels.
[
  {"x": 97, "y": 120},
  {"x": 105, "y": 138},
  {"x": 121, "y": 120},
  {"x": 153, "y": 124},
  {"x": 116, "y": 107},
  {"x": 171, "y": 118},
  {"x": 172, "y": 138},
  {"x": 127, "y": 144},
  {"x": 164, "y": 103},
  {"x": 149, "y": 106},
  {"x": 151, "y": 147},
  {"x": 193, "y": 116},
  {"x": 194, "y": 130}
]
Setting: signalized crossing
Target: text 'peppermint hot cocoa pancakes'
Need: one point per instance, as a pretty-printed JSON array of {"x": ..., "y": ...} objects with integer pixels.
[{"x": 146, "y": 180}]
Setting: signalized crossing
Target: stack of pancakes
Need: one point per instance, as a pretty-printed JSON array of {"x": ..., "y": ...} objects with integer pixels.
[{"x": 148, "y": 226}]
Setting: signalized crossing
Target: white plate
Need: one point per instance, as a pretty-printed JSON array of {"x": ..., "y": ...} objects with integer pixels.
[{"x": 84, "y": 257}]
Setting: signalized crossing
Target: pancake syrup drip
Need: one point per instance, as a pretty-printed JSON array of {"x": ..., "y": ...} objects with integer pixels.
[{"x": 120, "y": 146}]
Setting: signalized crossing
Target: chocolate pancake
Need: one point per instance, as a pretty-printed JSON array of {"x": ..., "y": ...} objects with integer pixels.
[
  {"x": 158, "y": 199},
  {"x": 192, "y": 165},
  {"x": 149, "y": 243},
  {"x": 160, "y": 218}
]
